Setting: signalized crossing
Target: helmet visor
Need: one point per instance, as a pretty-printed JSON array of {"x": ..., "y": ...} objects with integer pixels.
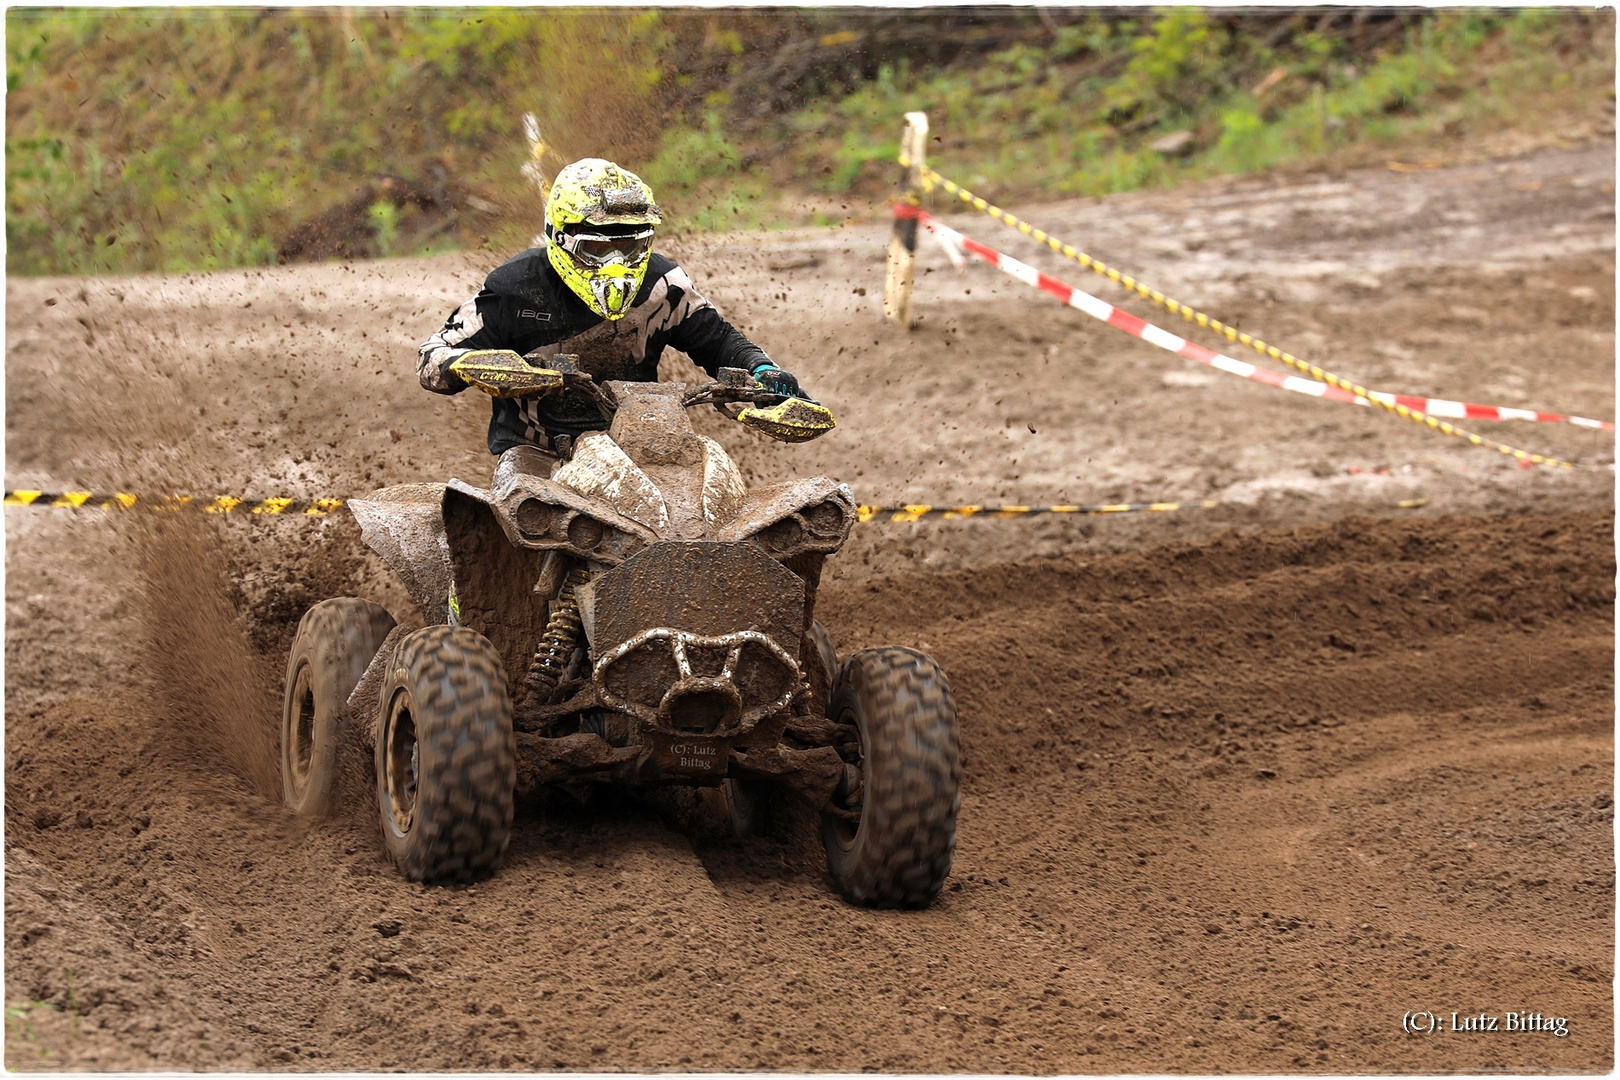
[{"x": 602, "y": 249}]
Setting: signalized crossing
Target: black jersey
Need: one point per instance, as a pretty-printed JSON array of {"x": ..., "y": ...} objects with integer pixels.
[{"x": 526, "y": 307}]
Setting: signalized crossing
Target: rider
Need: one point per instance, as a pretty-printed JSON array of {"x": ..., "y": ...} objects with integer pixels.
[{"x": 595, "y": 290}]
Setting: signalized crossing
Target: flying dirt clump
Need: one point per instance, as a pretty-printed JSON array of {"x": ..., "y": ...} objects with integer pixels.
[{"x": 212, "y": 690}]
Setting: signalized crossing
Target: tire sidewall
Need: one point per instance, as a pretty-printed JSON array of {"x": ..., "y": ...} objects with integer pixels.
[
  {"x": 846, "y": 708},
  {"x": 397, "y": 843},
  {"x": 826, "y": 652},
  {"x": 335, "y": 642},
  {"x": 317, "y": 794}
]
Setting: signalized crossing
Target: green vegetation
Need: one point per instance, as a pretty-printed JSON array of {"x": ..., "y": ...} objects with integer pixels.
[
  {"x": 1080, "y": 115},
  {"x": 177, "y": 140},
  {"x": 22, "y": 1037},
  {"x": 192, "y": 139}
]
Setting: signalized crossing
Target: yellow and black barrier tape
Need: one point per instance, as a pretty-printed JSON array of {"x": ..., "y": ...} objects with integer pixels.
[
  {"x": 915, "y": 511},
  {"x": 219, "y": 504},
  {"x": 228, "y": 504},
  {"x": 918, "y": 511},
  {"x": 933, "y": 179}
]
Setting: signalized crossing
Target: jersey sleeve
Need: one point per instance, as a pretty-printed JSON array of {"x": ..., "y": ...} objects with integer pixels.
[
  {"x": 700, "y": 332},
  {"x": 461, "y": 332}
]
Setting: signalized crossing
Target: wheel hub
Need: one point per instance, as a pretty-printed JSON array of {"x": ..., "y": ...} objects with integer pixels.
[
  {"x": 301, "y": 745},
  {"x": 402, "y": 767}
]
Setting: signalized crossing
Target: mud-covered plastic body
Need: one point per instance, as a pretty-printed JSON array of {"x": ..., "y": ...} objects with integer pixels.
[
  {"x": 650, "y": 619},
  {"x": 641, "y": 595}
]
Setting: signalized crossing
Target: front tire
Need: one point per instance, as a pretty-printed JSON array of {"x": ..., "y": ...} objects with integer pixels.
[
  {"x": 898, "y": 853},
  {"x": 335, "y": 642},
  {"x": 446, "y": 764}
]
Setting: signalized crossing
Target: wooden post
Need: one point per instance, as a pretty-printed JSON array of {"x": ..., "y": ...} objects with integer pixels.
[
  {"x": 534, "y": 169},
  {"x": 903, "y": 242}
]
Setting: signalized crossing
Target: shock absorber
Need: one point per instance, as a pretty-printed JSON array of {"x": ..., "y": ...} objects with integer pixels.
[{"x": 558, "y": 643}]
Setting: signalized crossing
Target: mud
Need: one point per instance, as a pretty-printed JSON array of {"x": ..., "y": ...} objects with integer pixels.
[{"x": 1241, "y": 787}]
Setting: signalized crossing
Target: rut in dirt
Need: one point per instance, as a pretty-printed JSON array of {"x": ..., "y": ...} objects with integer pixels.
[{"x": 1286, "y": 773}]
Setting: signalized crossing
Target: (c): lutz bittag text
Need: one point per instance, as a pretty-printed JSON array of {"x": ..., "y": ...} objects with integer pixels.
[{"x": 1427, "y": 1022}]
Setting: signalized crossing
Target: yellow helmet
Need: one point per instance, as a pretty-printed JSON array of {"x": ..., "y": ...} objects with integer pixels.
[{"x": 599, "y": 232}]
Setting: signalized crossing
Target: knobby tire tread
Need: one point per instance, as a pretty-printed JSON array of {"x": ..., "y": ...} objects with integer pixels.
[
  {"x": 913, "y": 774},
  {"x": 462, "y": 710}
]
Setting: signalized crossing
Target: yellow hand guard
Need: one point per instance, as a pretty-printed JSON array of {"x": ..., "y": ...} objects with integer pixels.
[
  {"x": 503, "y": 373},
  {"x": 793, "y": 421}
]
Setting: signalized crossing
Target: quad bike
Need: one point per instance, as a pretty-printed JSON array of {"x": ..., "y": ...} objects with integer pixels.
[{"x": 639, "y": 618}]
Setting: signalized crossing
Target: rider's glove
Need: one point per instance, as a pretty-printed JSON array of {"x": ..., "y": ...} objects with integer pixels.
[{"x": 778, "y": 381}]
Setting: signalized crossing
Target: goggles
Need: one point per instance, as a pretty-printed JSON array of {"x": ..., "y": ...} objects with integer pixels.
[{"x": 603, "y": 249}]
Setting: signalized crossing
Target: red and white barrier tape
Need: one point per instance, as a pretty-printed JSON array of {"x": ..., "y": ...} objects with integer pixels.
[
  {"x": 954, "y": 243},
  {"x": 1464, "y": 410}
]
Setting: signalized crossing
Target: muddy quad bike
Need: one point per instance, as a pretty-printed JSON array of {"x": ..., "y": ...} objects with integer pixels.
[{"x": 638, "y": 618}]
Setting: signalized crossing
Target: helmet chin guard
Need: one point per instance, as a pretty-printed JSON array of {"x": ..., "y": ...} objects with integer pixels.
[{"x": 614, "y": 294}]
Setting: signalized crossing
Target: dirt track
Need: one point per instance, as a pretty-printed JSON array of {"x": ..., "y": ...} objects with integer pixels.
[{"x": 1242, "y": 786}]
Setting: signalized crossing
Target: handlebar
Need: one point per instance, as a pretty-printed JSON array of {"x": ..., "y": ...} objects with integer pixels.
[
  {"x": 787, "y": 419},
  {"x": 731, "y": 386},
  {"x": 503, "y": 373}
]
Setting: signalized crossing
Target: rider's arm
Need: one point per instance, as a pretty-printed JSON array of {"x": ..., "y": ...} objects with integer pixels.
[
  {"x": 713, "y": 343},
  {"x": 462, "y": 332},
  {"x": 700, "y": 332}
]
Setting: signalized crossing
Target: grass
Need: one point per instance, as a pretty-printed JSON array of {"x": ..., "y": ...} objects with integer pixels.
[
  {"x": 191, "y": 139},
  {"x": 1079, "y": 117},
  {"x": 188, "y": 139},
  {"x": 21, "y": 1035}
]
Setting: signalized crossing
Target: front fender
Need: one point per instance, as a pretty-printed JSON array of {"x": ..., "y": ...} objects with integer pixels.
[
  {"x": 404, "y": 524},
  {"x": 795, "y": 517}
]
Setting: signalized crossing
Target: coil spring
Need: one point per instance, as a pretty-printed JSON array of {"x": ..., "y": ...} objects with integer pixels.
[{"x": 561, "y": 638}]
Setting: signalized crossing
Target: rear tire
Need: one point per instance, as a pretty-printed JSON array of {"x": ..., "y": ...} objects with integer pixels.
[
  {"x": 824, "y": 649},
  {"x": 336, "y": 640},
  {"x": 445, "y": 756},
  {"x": 732, "y": 809},
  {"x": 899, "y": 853}
]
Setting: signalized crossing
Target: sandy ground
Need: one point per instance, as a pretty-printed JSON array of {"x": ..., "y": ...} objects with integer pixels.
[{"x": 1243, "y": 786}]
